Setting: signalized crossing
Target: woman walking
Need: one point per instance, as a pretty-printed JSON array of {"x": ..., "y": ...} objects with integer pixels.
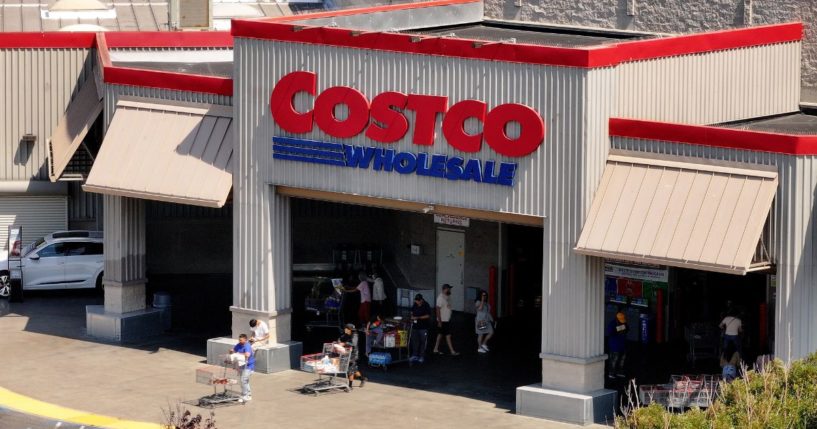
[{"x": 484, "y": 322}]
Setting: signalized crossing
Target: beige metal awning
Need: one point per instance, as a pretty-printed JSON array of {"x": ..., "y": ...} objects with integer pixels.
[
  {"x": 179, "y": 153},
  {"x": 679, "y": 212},
  {"x": 80, "y": 115}
]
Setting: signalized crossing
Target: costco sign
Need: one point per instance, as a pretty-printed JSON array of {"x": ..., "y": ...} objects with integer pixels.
[{"x": 383, "y": 120}]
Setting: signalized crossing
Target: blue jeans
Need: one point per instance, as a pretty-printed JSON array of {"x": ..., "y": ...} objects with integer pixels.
[
  {"x": 419, "y": 338},
  {"x": 245, "y": 382}
]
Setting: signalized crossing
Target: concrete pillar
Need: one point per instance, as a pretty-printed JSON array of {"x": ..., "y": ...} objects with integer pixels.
[
  {"x": 124, "y": 315},
  {"x": 262, "y": 270},
  {"x": 262, "y": 279},
  {"x": 572, "y": 387}
]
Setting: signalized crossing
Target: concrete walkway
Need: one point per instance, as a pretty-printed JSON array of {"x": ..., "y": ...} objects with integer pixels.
[{"x": 45, "y": 356}]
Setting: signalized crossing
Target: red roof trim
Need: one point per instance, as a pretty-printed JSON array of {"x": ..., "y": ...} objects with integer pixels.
[
  {"x": 169, "y": 80},
  {"x": 429, "y": 45},
  {"x": 602, "y": 56},
  {"x": 169, "y": 39},
  {"x": 714, "y": 136},
  {"x": 366, "y": 10},
  {"x": 47, "y": 40}
]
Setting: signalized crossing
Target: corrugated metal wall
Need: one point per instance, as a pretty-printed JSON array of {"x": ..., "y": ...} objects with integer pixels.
[
  {"x": 792, "y": 241},
  {"x": 556, "y": 182},
  {"x": 124, "y": 239},
  {"x": 38, "y": 215},
  {"x": 712, "y": 87},
  {"x": 82, "y": 206},
  {"x": 37, "y": 85},
  {"x": 113, "y": 92},
  {"x": 553, "y": 91}
]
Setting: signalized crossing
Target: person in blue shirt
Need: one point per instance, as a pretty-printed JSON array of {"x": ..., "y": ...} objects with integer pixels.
[
  {"x": 247, "y": 369},
  {"x": 617, "y": 340}
]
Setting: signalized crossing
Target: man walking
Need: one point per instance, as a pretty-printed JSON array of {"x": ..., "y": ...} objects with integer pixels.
[
  {"x": 421, "y": 320},
  {"x": 443, "y": 309},
  {"x": 245, "y": 348}
]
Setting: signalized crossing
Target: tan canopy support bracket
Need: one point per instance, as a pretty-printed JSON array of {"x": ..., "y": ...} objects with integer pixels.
[
  {"x": 409, "y": 206},
  {"x": 180, "y": 153},
  {"x": 680, "y": 212},
  {"x": 72, "y": 128}
]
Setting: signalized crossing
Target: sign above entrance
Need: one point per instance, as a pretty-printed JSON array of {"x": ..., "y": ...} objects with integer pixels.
[
  {"x": 645, "y": 273},
  {"x": 384, "y": 121},
  {"x": 452, "y": 220}
]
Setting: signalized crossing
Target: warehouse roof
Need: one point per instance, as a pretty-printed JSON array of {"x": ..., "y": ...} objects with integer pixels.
[
  {"x": 798, "y": 123},
  {"x": 505, "y": 31},
  {"x": 123, "y": 15}
]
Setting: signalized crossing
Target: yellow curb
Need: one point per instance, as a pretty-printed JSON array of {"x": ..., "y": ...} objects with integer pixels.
[{"x": 26, "y": 405}]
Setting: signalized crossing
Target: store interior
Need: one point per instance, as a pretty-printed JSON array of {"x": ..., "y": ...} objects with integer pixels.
[
  {"x": 674, "y": 319},
  {"x": 337, "y": 241}
]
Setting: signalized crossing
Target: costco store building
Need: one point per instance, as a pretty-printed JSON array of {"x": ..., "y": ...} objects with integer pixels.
[
  {"x": 609, "y": 170},
  {"x": 609, "y": 147}
]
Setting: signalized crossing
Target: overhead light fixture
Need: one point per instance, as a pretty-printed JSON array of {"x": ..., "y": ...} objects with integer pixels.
[{"x": 428, "y": 209}]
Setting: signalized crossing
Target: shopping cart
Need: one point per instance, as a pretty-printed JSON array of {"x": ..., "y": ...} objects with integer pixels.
[
  {"x": 332, "y": 367},
  {"x": 324, "y": 304},
  {"x": 226, "y": 375}
]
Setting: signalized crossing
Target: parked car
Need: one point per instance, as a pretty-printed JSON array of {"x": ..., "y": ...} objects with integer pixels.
[{"x": 60, "y": 260}]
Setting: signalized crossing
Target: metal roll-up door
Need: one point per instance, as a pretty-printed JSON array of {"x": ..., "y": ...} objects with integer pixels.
[{"x": 38, "y": 215}]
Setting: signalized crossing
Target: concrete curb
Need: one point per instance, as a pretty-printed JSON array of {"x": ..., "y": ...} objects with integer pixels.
[{"x": 26, "y": 405}]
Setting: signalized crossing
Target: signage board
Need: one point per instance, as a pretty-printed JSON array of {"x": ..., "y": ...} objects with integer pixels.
[
  {"x": 452, "y": 220},
  {"x": 385, "y": 120},
  {"x": 644, "y": 273}
]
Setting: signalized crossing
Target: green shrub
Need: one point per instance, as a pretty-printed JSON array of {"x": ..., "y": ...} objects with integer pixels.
[{"x": 776, "y": 398}]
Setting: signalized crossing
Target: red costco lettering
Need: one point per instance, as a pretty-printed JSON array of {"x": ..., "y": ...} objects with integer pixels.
[
  {"x": 280, "y": 102},
  {"x": 384, "y": 119},
  {"x": 454, "y": 125},
  {"x": 354, "y": 123},
  {"x": 386, "y": 111}
]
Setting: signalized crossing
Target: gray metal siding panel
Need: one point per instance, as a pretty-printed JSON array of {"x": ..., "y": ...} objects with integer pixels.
[
  {"x": 36, "y": 87},
  {"x": 552, "y": 91},
  {"x": 124, "y": 239},
  {"x": 792, "y": 239},
  {"x": 712, "y": 87},
  {"x": 82, "y": 206},
  {"x": 572, "y": 295},
  {"x": 39, "y": 216}
]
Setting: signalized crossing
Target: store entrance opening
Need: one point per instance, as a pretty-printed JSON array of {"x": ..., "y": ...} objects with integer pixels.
[
  {"x": 415, "y": 253},
  {"x": 451, "y": 265},
  {"x": 675, "y": 327}
]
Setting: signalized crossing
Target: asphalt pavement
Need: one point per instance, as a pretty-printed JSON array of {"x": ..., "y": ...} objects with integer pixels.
[{"x": 14, "y": 420}]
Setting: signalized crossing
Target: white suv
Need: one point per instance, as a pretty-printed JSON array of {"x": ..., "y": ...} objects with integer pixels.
[{"x": 60, "y": 260}]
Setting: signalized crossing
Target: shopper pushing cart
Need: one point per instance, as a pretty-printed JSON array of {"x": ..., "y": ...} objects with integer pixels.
[{"x": 349, "y": 342}]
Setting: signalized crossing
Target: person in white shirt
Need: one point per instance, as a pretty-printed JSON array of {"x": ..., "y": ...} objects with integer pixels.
[
  {"x": 443, "y": 308},
  {"x": 378, "y": 293},
  {"x": 260, "y": 333},
  {"x": 732, "y": 328}
]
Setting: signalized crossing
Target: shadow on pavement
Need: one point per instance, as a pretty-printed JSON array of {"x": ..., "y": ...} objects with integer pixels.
[
  {"x": 493, "y": 377},
  {"x": 200, "y": 311}
]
